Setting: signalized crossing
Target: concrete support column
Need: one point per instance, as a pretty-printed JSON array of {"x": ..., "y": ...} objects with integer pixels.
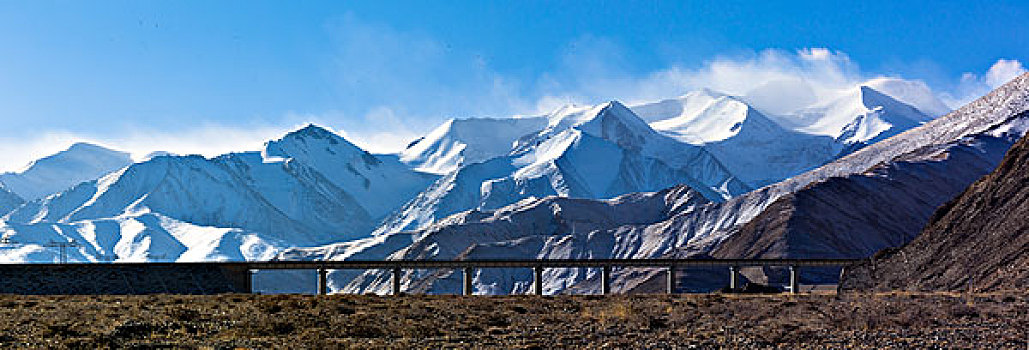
[
  {"x": 323, "y": 281},
  {"x": 467, "y": 281},
  {"x": 249, "y": 286},
  {"x": 396, "y": 281},
  {"x": 734, "y": 278},
  {"x": 537, "y": 280},
  {"x": 794, "y": 279},
  {"x": 671, "y": 279},
  {"x": 605, "y": 280}
]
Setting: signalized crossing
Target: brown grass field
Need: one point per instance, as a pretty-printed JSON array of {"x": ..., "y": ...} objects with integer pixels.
[{"x": 896, "y": 320}]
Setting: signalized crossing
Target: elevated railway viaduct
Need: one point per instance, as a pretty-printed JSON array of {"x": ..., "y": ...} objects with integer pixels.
[{"x": 235, "y": 277}]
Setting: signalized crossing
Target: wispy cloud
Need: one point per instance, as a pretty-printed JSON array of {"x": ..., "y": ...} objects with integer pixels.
[{"x": 774, "y": 80}]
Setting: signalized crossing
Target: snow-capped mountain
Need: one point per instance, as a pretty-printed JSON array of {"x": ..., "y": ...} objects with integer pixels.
[
  {"x": 911, "y": 92},
  {"x": 49, "y": 175},
  {"x": 754, "y": 148},
  {"x": 596, "y": 152},
  {"x": 460, "y": 142},
  {"x": 592, "y": 181},
  {"x": 860, "y": 115},
  {"x": 909, "y": 171},
  {"x": 309, "y": 187},
  {"x": 702, "y": 139}
]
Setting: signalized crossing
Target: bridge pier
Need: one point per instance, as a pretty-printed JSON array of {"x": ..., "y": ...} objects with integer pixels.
[
  {"x": 794, "y": 279},
  {"x": 671, "y": 280},
  {"x": 323, "y": 281},
  {"x": 605, "y": 280},
  {"x": 734, "y": 278},
  {"x": 396, "y": 281},
  {"x": 467, "y": 279},
  {"x": 537, "y": 280}
]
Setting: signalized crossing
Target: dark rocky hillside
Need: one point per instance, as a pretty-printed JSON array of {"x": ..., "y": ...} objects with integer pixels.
[{"x": 978, "y": 241}]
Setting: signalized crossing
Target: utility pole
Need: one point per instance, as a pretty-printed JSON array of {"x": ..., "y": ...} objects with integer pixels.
[{"x": 63, "y": 246}]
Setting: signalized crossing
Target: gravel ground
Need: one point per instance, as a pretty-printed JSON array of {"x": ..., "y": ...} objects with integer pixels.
[{"x": 897, "y": 320}]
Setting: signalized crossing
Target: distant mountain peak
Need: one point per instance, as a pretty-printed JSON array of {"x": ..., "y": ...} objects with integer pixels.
[
  {"x": 314, "y": 131},
  {"x": 705, "y": 116},
  {"x": 81, "y": 161},
  {"x": 707, "y": 92},
  {"x": 613, "y": 121},
  {"x": 311, "y": 140},
  {"x": 82, "y": 146},
  {"x": 911, "y": 92},
  {"x": 873, "y": 97}
]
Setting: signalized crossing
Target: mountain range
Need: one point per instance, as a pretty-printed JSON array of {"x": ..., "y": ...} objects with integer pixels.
[
  {"x": 693, "y": 175},
  {"x": 873, "y": 198}
]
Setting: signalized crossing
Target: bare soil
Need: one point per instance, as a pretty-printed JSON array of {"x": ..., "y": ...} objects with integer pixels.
[{"x": 893, "y": 320}]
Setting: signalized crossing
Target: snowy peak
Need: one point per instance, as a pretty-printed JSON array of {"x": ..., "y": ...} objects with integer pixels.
[
  {"x": 614, "y": 122},
  {"x": 459, "y": 142},
  {"x": 314, "y": 133},
  {"x": 317, "y": 146},
  {"x": 706, "y": 116},
  {"x": 611, "y": 121},
  {"x": 379, "y": 183},
  {"x": 872, "y": 99},
  {"x": 914, "y": 93},
  {"x": 861, "y": 115},
  {"x": 80, "y": 162},
  {"x": 80, "y": 153}
]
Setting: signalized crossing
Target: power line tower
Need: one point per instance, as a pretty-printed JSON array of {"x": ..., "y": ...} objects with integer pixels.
[{"x": 63, "y": 246}]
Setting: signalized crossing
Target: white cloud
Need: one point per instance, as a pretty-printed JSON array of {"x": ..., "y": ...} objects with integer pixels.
[
  {"x": 588, "y": 75},
  {"x": 380, "y": 130},
  {"x": 972, "y": 86},
  {"x": 774, "y": 80},
  {"x": 1002, "y": 72}
]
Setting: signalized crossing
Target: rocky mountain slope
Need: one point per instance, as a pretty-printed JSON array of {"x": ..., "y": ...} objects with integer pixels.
[
  {"x": 977, "y": 242},
  {"x": 886, "y": 205}
]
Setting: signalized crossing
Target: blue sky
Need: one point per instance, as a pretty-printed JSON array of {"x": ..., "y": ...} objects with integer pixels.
[{"x": 212, "y": 76}]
